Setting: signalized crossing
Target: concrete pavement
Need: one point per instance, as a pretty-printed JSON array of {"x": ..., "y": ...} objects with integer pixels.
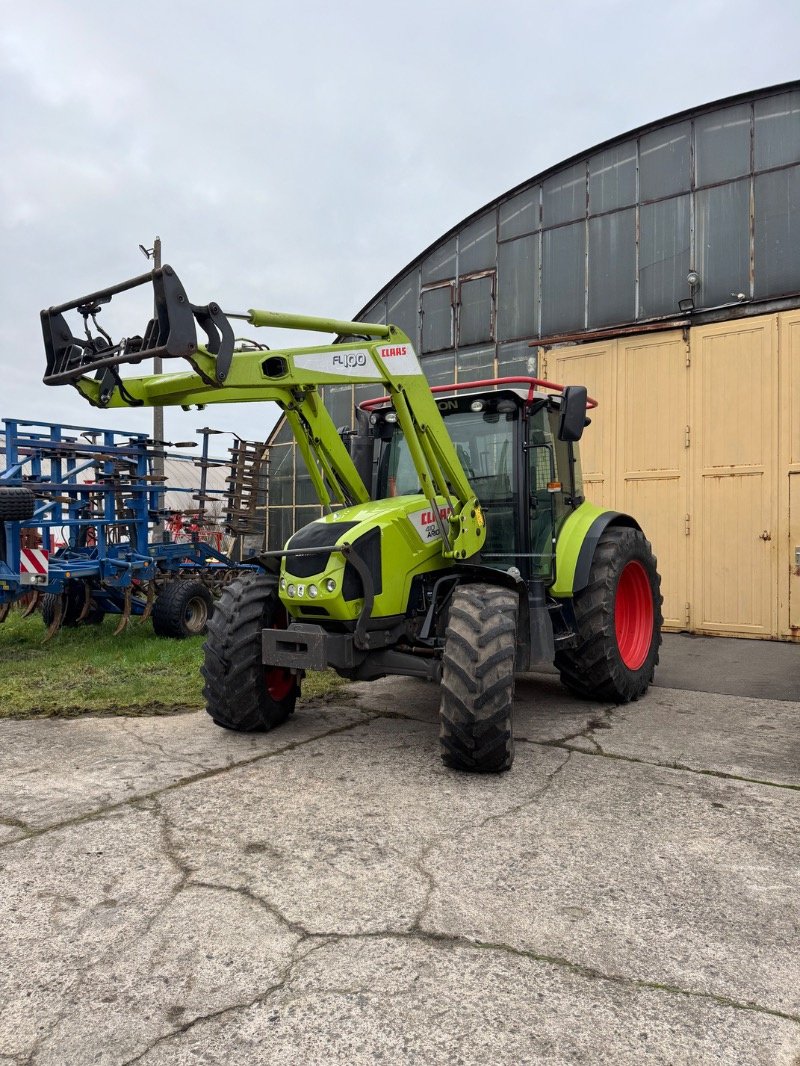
[{"x": 329, "y": 893}]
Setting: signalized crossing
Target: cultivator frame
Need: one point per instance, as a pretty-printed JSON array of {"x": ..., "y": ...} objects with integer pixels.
[{"x": 93, "y": 535}]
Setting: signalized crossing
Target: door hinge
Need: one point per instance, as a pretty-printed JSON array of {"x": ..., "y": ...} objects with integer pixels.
[
  {"x": 687, "y": 524},
  {"x": 687, "y": 439},
  {"x": 687, "y": 612},
  {"x": 688, "y": 352}
]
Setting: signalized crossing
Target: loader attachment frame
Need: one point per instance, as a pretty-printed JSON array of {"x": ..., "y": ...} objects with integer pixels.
[
  {"x": 171, "y": 333},
  {"x": 365, "y": 352}
]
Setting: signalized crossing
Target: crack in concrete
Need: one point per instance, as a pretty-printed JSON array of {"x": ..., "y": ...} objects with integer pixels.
[
  {"x": 123, "y": 725},
  {"x": 419, "y": 863},
  {"x": 185, "y": 1027},
  {"x": 203, "y": 775},
  {"x": 442, "y": 940},
  {"x": 13, "y": 823},
  {"x": 680, "y": 767}
]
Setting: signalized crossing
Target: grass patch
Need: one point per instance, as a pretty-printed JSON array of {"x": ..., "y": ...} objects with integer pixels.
[{"x": 89, "y": 670}]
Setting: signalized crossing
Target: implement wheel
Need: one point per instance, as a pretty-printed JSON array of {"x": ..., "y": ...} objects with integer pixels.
[
  {"x": 475, "y": 712},
  {"x": 619, "y": 620},
  {"x": 182, "y": 609},
  {"x": 17, "y": 504},
  {"x": 73, "y": 606},
  {"x": 241, "y": 692}
]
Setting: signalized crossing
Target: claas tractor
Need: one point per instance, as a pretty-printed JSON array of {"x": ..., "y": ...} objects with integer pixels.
[{"x": 456, "y": 545}]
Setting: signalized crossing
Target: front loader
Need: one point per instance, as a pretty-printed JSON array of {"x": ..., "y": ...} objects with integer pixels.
[{"x": 457, "y": 544}]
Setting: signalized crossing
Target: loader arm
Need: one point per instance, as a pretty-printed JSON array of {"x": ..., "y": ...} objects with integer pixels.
[{"x": 290, "y": 377}]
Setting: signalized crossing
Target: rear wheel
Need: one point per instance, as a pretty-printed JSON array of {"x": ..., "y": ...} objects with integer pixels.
[
  {"x": 182, "y": 609},
  {"x": 241, "y": 692},
  {"x": 619, "y": 620},
  {"x": 475, "y": 714}
]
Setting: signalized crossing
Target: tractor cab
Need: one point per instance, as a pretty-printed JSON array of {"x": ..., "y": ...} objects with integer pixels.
[{"x": 510, "y": 440}]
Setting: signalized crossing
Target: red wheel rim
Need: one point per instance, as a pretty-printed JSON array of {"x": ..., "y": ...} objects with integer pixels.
[
  {"x": 279, "y": 683},
  {"x": 633, "y": 615}
]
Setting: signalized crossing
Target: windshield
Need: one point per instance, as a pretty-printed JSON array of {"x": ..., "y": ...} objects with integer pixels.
[{"x": 484, "y": 443}]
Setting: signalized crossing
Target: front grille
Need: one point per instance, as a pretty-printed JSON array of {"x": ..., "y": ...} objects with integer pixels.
[{"x": 319, "y": 535}]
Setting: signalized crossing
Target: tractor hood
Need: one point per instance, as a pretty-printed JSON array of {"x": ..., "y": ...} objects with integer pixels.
[{"x": 395, "y": 538}]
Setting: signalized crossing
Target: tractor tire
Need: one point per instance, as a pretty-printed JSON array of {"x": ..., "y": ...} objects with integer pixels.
[
  {"x": 182, "y": 609},
  {"x": 475, "y": 713},
  {"x": 17, "y": 504},
  {"x": 72, "y": 608},
  {"x": 619, "y": 619},
  {"x": 241, "y": 693}
]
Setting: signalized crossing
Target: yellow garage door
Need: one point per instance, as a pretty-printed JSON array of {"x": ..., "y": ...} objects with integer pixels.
[
  {"x": 789, "y": 545},
  {"x": 634, "y": 453},
  {"x": 651, "y": 481},
  {"x": 592, "y": 365},
  {"x": 733, "y": 456},
  {"x": 794, "y": 555}
]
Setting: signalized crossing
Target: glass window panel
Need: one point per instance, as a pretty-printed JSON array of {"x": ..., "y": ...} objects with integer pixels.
[
  {"x": 441, "y": 263},
  {"x": 284, "y": 433},
  {"x": 403, "y": 305},
  {"x": 563, "y": 278},
  {"x": 722, "y": 243},
  {"x": 437, "y": 318},
  {"x": 520, "y": 215},
  {"x": 476, "y": 310},
  {"x": 339, "y": 403},
  {"x": 280, "y": 527},
  {"x": 663, "y": 256},
  {"x": 517, "y": 287},
  {"x": 368, "y": 392},
  {"x": 375, "y": 313},
  {"x": 612, "y": 268},
  {"x": 281, "y": 474},
  {"x": 664, "y": 162},
  {"x": 439, "y": 369},
  {"x": 564, "y": 196},
  {"x": 722, "y": 145},
  {"x": 777, "y": 130},
  {"x": 477, "y": 245},
  {"x": 475, "y": 364},
  {"x": 517, "y": 359},
  {"x": 304, "y": 489},
  {"x": 777, "y": 228},
  {"x": 612, "y": 178},
  {"x": 304, "y": 515}
]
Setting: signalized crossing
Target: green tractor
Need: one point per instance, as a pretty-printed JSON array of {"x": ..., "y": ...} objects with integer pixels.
[{"x": 457, "y": 544}]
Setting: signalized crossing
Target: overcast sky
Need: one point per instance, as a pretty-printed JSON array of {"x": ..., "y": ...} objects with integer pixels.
[{"x": 295, "y": 156}]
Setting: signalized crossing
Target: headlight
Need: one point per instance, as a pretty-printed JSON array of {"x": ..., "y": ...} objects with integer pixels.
[
  {"x": 313, "y": 591},
  {"x": 330, "y": 585},
  {"x": 291, "y": 590},
  {"x": 283, "y": 583}
]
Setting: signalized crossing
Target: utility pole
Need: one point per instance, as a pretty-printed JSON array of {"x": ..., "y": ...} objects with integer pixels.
[{"x": 154, "y": 253}]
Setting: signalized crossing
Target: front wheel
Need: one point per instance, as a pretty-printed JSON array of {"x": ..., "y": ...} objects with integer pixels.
[
  {"x": 241, "y": 692},
  {"x": 618, "y": 616},
  {"x": 475, "y": 714}
]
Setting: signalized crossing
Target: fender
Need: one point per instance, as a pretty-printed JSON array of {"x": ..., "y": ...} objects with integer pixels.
[{"x": 576, "y": 545}]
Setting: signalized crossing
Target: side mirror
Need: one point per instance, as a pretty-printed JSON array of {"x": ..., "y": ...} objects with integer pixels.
[{"x": 573, "y": 413}]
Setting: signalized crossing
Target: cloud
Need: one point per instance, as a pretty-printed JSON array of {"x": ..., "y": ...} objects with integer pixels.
[{"x": 297, "y": 156}]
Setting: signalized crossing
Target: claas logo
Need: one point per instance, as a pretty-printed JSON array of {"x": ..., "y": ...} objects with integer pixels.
[{"x": 401, "y": 349}]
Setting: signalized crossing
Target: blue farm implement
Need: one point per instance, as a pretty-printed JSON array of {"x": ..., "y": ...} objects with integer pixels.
[{"x": 76, "y": 507}]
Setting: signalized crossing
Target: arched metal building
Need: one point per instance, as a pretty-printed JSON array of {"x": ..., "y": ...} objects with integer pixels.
[{"x": 662, "y": 270}]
